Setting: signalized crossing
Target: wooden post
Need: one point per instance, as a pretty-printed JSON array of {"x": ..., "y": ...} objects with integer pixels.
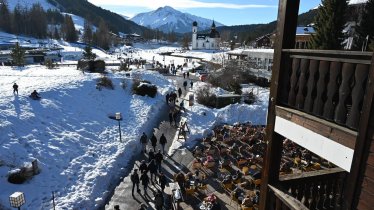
[
  {"x": 35, "y": 168},
  {"x": 53, "y": 200},
  {"x": 286, "y": 33},
  {"x": 352, "y": 190}
]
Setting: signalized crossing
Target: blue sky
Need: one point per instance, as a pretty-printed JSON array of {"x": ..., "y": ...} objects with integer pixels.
[{"x": 228, "y": 12}]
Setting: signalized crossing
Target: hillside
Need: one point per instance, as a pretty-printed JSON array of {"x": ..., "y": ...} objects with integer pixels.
[
  {"x": 94, "y": 14},
  {"x": 252, "y": 31},
  {"x": 167, "y": 19}
]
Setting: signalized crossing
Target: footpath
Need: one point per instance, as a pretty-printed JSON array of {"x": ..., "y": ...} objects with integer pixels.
[{"x": 171, "y": 165}]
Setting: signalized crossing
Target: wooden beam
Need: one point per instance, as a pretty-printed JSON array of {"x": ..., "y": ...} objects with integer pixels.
[
  {"x": 335, "y": 132},
  {"x": 291, "y": 202},
  {"x": 364, "y": 139},
  {"x": 286, "y": 33}
]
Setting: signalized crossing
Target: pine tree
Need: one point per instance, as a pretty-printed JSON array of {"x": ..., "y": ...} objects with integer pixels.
[
  {"x": 329, "y": 25},
  {"x": 18, "y": 26},
  {"x": 56, "y": 34},
  {"x": 185, "y": 42},
  {"x": 18, "y": 55},
  {"x": 70, "y": 34},
  {"x": 5, "y": 16},
  {"x": 88, "y": 54},
  {"x": 365, "y": 29},
  {"x": 37, "y": 21},
  {"x": 103, "y": 35},
  {"x": 87, "y": 32}
]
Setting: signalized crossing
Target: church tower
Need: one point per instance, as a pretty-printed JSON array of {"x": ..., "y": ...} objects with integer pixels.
[{"x": 194, "y": 35}]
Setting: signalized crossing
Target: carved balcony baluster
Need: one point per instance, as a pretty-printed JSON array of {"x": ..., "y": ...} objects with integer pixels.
[
  {"x": 332, "y": 89},
  {"x": 321, "y": 88},
  {"x": 361, "y": 74},
  {"x": 293, "y": 82},
  {"x": 313, "y": 69},
  {"x": 344, "y": 93},
  {"x": 304, "y": 67}
]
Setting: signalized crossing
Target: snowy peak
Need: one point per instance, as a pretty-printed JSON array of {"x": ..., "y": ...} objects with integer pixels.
[{"x": 168, "y": 19}]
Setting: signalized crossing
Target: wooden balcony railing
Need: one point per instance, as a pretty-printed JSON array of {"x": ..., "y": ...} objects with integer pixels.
[
  {"x": 327, "y": 84},
  {"x": 309, "y": 190}
]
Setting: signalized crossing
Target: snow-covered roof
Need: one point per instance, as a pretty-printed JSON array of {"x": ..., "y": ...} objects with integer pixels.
[
  {"x": 304, "y": 30},
  {"x": 357, "y": 1}
]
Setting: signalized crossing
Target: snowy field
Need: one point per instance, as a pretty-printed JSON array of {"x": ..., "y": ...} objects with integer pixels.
[{"x": 69, "y": 133}]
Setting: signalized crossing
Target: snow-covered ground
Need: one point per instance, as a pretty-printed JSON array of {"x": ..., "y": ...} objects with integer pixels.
[{"x": 69, "y": 133}]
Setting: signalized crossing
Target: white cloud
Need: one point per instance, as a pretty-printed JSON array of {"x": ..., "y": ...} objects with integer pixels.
[{"x": 179, "y": 4}]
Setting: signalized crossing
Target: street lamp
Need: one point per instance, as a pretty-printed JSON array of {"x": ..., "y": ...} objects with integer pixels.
[
  {"x": 17, "y": 199},
  {"x": 117, "y": 117}
]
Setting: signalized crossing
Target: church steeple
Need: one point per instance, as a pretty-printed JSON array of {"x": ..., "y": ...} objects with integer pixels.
[{"x": 213, "y": 25}]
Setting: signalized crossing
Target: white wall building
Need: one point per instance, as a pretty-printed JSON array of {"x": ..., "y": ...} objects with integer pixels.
[{"x": 209, "y": 41}]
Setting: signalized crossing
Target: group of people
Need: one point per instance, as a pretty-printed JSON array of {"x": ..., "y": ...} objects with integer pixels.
[
  {"x": 144, "y": 141},
  {"x": 34, "y": 95},
  {"x": 171, "y": 100},
  {"x": 152, "y": 166}
]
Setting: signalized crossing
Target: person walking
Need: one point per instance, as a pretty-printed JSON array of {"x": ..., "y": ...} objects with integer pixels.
[
  {"x": 135, "y": 181},
  {"x": 154, "y": 142},
  {"x": 143, "y": 167},
  {"x": 175, "y": 118},
  {"x": 145, "y": 181},
  {"x": 180, "y": 92},
  {"x": 191, "y": 83},
  {"x": 170, "y": 117},
  {"x": 159, "y": 157},
  {"x": 167, "y": 97},
  {"x": 151, "y": 155},
  {"x": 152, "y": 170},
  {"x": 188, "y": 75},
  {"x": 163, "y": 141},
  {"x": 162, "y": 181},
  {"x": 181, "y": 106},
  {"x": 184, "y": 75},
  {"x": 159, "y": 200},
  {"x": 185, "y": 85},
  {"x": 175, "y": 97},
  {"x": 15, "y": 88},
  {"x": 143, "y": 141}
]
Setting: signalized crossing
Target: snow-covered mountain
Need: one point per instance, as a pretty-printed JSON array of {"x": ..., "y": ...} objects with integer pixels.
[{"x": 168, "y": 19}]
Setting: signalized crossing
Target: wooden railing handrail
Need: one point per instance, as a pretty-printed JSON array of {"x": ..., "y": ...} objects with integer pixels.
[
  {"x": 310, "y": 174},
  {"x": 287, "y": 199},
  {"x": 336, "y": 53}
]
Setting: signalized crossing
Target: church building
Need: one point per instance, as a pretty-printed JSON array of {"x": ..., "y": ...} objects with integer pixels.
[{"x": 208, "y": 41}]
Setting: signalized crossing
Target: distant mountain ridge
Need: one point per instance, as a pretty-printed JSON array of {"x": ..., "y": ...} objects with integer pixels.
[
  {"x": 85, "y": 9},
  {"x": 93, "y": 13},
  {"x": 168, "y": 19}
]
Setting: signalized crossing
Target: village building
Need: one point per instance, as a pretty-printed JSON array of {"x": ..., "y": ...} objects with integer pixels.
[{"x": 208, "y": 41}]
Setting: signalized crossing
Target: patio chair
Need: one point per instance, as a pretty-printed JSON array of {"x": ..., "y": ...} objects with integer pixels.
[
  {"x": 196, "y": 165},
  {"x": 246, "y": 207},
  {"x": 257, "y": 183},
  {"x": 241, "y": 162},
  {"x": 210, "y": 164},
  {"x": 245, "y": 170}
]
